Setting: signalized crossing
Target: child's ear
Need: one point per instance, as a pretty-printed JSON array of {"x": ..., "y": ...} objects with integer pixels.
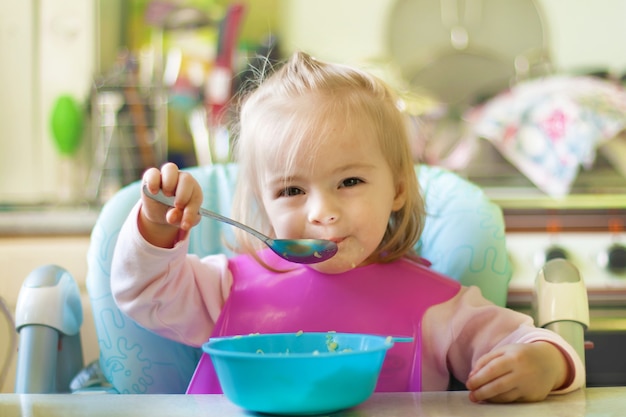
[{"x": 400, "y": 198}]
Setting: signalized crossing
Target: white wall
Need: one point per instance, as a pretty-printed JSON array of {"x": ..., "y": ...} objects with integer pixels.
[{"x": 587, "y": 34}]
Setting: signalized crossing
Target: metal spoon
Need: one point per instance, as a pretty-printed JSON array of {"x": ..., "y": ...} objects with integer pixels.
[{"x": 302, "y": 251}]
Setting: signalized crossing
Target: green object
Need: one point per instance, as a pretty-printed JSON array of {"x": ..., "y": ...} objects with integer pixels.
[{"x": 66, "y": 122}]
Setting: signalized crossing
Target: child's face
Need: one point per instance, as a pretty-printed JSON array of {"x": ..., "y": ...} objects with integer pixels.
[{"x": 346, "y": 196}]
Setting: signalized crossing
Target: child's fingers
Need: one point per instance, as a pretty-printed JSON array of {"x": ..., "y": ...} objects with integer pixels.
[
  {"x": 174, "y": 217},
  {"x": 483, "y": 361},
  {"x": 152, "y": 179},
  {"x": 169, "y": 179},
  {"x": 189, "y": 200}
]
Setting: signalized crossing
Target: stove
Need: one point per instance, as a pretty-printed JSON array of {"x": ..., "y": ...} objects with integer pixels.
[
  {"x": 587, "y": 226},
  {"x": 594, "y": 241},
  {"x": 600, "y": 258}
]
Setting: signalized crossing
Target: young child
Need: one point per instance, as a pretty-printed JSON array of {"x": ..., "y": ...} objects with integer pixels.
[{"x": 323, "y": 153}]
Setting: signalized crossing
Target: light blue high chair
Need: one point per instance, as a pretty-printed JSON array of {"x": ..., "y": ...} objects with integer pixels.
[{"x": 463, "y": 238}]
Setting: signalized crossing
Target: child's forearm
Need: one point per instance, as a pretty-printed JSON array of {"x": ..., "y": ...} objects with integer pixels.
[{"x": 164, "y": 290}]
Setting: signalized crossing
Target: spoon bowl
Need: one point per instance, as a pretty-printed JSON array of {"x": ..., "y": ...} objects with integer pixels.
[{"x": 302, "y": 251}]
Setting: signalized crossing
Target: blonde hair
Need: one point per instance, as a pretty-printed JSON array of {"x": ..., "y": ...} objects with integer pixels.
[{"x": 304, "y": 96}]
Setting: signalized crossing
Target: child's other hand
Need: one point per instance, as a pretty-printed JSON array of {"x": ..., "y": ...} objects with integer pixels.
[
  {"x": 159, "y": 224},
  {"x": 518, "y": 372}
]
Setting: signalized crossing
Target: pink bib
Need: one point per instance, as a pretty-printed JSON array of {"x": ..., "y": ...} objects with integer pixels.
[{"x": 383, "y": 299}]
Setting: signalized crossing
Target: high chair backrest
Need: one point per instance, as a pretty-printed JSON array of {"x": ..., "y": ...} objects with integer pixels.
[{"x": 463, "y": 238}]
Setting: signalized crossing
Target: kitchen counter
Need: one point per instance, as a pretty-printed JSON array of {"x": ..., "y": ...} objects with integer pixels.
[
  {"x": 590, "y": 402},
  {"x": 48, "y": 221}
]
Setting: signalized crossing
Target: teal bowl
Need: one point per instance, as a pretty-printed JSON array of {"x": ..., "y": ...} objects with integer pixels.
[{"x": 298, "y": 373}]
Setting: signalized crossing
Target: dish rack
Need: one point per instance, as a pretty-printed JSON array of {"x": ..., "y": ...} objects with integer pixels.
[{"x": 129, "y": 130}]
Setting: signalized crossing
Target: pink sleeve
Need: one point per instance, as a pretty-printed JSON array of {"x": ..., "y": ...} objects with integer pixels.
[
  {"x": 457, "y": 333},
  {"x": 176, "y": 295}
]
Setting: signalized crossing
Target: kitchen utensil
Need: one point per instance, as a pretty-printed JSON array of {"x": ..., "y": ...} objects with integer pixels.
[
  {"x": 106, "y": 106},
  {"x": 197, "y": 121},
  {"x": 304, "y": 251},
  {"x": 220, "y": 79},
  {"x": 298, "y": 373},
  {"x": 138, "y": 115}
]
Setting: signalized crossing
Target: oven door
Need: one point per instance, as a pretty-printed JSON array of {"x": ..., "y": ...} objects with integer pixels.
[{"x": 605, "y": 359}]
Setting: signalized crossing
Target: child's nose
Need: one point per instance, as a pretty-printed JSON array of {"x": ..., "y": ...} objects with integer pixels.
[{"x": 323, "y": 210}]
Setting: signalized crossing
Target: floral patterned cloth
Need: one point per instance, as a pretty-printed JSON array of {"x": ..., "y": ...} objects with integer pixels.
[{"x": 548, "y": 128}]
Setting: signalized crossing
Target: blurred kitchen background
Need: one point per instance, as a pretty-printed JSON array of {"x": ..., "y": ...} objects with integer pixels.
[
  {"x": 95, "y": 91},
  {"x": 524, "y": 97}
]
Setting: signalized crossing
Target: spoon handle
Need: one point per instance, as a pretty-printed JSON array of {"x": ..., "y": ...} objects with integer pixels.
[
  {"x": 169, "y": 201},
  {"x": 211, "y": 214}
]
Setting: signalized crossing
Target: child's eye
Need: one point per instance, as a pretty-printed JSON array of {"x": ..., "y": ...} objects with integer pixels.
[
  {"x": 351, "y": 182},
  {"x": 290, "y": 192}
]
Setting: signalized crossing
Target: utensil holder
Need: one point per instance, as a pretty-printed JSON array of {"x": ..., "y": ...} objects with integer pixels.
[{"x": 129, "y": 122}]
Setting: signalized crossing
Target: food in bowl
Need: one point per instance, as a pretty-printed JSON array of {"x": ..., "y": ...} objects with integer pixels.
[{"x": 299, "y": 373}]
